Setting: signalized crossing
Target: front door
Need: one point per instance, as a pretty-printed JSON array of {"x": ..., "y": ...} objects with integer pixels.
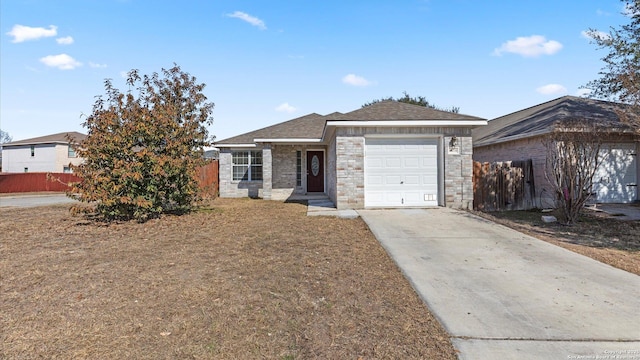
[{"x": 315, "y": 171}]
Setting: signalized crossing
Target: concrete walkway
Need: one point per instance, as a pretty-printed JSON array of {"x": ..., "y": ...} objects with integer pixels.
[
  {"x": 325, "y": 207},
  {"x": 34, "y": 200},
  {"x": 504, "y": 295}
]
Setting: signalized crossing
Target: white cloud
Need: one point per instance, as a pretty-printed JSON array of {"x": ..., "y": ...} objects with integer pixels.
[
  {"x": 62, "y": 61},
  {"x": 601, "y": 12},
  {"x": 552, "y": 89},
  {"x": 22, "y": 33},
  {"x": 285, "y": 107},
  {"x": 595, "y": 34},
  {"x": 68, "y": 40},
  {"x": 124, "y": 74},
  {"x": 248, "y": 18},
  {"x": 97, "y": 66},
  {"x": 530, "y": 46},
  {"x": 355, "y": 80}
]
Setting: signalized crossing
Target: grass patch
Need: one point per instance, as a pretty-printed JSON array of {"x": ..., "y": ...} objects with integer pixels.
[{"x": 236, "y": 279}]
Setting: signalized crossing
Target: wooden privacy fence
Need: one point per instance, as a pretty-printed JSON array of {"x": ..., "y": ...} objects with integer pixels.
[
  {"x": 208, "y": 179},
  {"x": 503, "y": 186},
  {"x": 35, "y": 181},
  {"x": 42, "y": 181}
]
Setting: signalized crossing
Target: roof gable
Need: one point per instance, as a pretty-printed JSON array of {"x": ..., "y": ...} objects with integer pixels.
[
  {"x": 306, "y": 127},
  {"x": 59, "y": 138},
  {"x": 395, "y": 110},
  {"x": 542, "y": 118},
  {"x": 311, "y": 127}
]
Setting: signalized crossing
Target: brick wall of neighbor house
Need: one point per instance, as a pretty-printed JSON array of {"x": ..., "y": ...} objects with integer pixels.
[
  {"x": 350, "y": 143},
  {"x": 523, "y": 149},
  {"x": 231, "y": 189}
]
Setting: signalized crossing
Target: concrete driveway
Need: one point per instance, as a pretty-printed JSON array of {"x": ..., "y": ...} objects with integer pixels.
[
  {"x": 504, "y": 295},
  {"x": 31, "y": 200}
]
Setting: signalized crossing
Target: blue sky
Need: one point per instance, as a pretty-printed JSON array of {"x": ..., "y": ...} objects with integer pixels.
[{"x": 265, "y": 62}]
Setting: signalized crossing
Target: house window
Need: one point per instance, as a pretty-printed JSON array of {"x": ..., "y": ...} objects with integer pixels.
[
  {"x": 298, "y": 168},
  {"x": 26, "y": 169},
  {"x": 71, "y": 152},
  {"x": 247, "y": 165},
  {"x": 66, "y": 169},
  {"x": 33, "y": 151}
]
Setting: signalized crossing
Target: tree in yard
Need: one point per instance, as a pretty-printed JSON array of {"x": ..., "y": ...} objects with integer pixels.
[
  {"x": 573, "y": 157},
  {"x": 4, "y": 137},
  {"x": 419, "y": 100},
  {"x": 620, "y": 77},
  {"x": 143, "y": 148}
]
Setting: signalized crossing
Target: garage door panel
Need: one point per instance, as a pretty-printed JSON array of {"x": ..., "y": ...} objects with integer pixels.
[
  {"x": 412, "y": 162},
  {"x": 374, "y": 163},
  {"x": 616, "y": 179},
  {"x": 412, "y": 180},
  {"x": 408, "y": 169},
  {"x": 392, "y": 179},
  {"x": 393, "y": 162}
]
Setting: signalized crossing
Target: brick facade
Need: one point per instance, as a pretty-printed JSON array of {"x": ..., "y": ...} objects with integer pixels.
[
  {"x": 517, "y": 150},
  {"x": 344, "y": 167},
  {"x": 534, "y": 149}
]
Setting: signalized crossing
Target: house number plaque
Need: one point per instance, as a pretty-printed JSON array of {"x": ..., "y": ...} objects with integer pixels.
[{"x": 315, "y": 165}]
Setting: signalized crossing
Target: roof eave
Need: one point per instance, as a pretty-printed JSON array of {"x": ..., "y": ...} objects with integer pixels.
[
  {"x": 234, "y": 145},
  {"x": 288, "y": 141},
  {"x": 405, "y": 123}
]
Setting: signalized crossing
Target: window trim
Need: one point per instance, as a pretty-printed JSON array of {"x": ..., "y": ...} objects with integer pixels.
[{"x": 251, "y": 166}]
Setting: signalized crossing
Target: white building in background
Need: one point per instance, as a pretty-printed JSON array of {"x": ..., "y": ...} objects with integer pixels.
[{"x": 50, "y": 153}]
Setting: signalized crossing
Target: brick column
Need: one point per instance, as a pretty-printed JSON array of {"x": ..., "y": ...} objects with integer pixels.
[{"x": 267, "y": 172}]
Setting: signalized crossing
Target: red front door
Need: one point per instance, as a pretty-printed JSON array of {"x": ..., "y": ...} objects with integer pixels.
[{"x": 315, "y": 171}]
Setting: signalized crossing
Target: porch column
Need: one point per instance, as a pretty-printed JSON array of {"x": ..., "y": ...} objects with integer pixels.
[{"x": 267, "y": 172}]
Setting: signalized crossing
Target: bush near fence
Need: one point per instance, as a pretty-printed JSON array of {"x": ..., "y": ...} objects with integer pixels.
[
  {"x": 57, "y": 182},
  {"x": 503, "y": 186}
]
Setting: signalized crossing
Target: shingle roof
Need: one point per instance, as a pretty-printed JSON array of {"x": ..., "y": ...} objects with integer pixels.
[
  {"x": 542, "y": 118},
  {"x": 59, "y": 138},
  {"x": 305, "y": 127},
  {"x": 395, "y": 110},
  {"x": 311, "y": 126}
]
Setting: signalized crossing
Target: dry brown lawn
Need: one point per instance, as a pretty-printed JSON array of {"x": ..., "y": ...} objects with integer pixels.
[
  {"x": 239, "y": 279},
  {"x": 596, "y": 235}
]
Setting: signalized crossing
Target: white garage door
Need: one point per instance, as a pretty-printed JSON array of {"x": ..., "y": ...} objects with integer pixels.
[
  {"x": 617, "y": 179},
  {"x": 401, "y": 172}
]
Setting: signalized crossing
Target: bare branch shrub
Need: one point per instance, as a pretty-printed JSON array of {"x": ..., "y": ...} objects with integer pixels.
[{"x": 573, "y": 158}]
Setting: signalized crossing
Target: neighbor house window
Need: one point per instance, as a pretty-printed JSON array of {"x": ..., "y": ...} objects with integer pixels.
[
  {"x": 33, "y": 151},
  {"x": 298, "y": 168},
  {"x": 26, "y": 169},
  {"x": 66, "y": 169},
  {"x": 71, "y": 152},
  {"x": 247, "y": 165}
]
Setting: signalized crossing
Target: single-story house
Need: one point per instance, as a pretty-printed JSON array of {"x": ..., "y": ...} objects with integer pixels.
[
  {"x": 388, "y": 154},
  {"x": 519, "y": 137},
  {"x": 50, "y": 153}
]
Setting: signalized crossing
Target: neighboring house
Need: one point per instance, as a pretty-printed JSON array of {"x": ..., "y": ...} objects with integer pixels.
[
  {"x": 388, "y": 154},
  {"x": 518, "y": 136},
  {"x": 51, "y": 153}
]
